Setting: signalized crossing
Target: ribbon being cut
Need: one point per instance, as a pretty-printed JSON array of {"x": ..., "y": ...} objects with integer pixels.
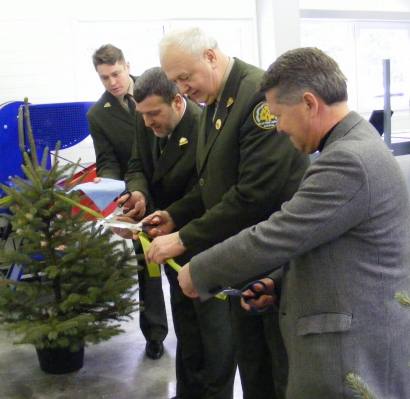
[{"x": 102, "y": 196}]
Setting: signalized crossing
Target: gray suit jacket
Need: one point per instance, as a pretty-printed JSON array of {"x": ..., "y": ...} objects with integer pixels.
[{"x": 345, "y": 237}]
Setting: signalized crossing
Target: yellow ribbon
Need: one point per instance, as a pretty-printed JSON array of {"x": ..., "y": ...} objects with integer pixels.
[{"x": 154, "y": 269}]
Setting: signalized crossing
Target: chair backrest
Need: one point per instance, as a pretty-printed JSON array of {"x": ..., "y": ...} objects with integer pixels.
[
  {"x": 377, "y": 120},
  {"x": 10, "y": 154},
  {"x": 64, "y": 122}
]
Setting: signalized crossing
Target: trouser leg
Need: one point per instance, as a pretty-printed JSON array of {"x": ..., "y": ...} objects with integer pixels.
[
  {"x": 262, "y": 367},
  {"x": 205, "y": 364},
  {"x": 153, "y": 317},
  {"x": 279, "y": 356}
]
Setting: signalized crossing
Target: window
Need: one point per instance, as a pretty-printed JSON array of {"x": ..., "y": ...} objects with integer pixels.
[{"x": 360, "y": 47}]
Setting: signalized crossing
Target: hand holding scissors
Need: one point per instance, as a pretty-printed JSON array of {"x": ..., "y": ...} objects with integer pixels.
[{"x": 256, "y": 296}]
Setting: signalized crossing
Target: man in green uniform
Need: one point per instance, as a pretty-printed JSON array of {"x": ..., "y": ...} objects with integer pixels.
[
  {"x": 162, "y": 169},
  {"x": 246, "y": 171},
  {"x": 113, "y": 126}
]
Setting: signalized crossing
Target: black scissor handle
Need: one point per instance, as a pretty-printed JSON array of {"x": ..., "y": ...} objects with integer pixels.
[
  {"x": 257, "y": 294},
  {"x": 125, "y": 192}
]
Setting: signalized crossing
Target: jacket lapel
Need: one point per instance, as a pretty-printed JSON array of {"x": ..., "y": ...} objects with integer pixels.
[
  {"x": 112, "y": 106},
  {"x": 116, "y": 111},
  {"x": 224, "y": 107},
  {"x": 174, "y": 149},
  {"x": 168, "y": 158}
]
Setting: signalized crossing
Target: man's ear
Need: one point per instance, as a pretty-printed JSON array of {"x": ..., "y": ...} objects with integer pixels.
[
  {"x": 210, "y": 56},
  {"x": 311, "y": 102},
  {"x": 178, "y": 101}
]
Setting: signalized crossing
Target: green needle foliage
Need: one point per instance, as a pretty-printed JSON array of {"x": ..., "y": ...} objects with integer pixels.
[
  {"x": 403, "y": 298},
  {"x": 81, "y": 283},
  {"x": 360, "y": 388}
]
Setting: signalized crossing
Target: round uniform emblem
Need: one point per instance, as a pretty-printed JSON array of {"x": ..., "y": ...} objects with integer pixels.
[
  {"x": 262, "y": 116},
  {"x": 218, "y": 124}
]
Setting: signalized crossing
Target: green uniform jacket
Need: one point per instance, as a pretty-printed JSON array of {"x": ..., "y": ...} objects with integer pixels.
[
  {"x": 168, "y": 178},
  {"x": 245, "y": 171},
  {"x": 112, "y": 129}
]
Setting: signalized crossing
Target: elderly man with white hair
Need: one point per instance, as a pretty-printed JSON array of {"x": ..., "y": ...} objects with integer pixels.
[{"x": 246, "y": 171}]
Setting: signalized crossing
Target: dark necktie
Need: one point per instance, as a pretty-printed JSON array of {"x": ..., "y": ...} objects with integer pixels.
[
  {"x": 129, "y": 99},
  {"x": 162, "y": 142}
]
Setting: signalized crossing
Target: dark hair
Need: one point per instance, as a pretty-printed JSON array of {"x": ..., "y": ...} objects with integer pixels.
[
  {"x": 108, "y": 54},
  {"x": 305, "y": 69},
  {"x": 154, "y": 82}
]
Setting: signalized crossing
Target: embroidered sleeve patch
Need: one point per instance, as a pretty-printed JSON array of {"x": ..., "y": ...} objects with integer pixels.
[{"x": 262, "y": 116}]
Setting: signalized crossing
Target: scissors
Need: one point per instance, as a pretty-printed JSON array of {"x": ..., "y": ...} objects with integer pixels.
[
  {"x": 125, "y": 192},
  {"x": 134, "y": 227},
  {"x": 111, "y": 222},
  {"x": 250, "y": 286}
]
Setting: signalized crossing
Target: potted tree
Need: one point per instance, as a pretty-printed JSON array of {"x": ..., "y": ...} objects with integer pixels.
[{"x": 79, "y": 283}]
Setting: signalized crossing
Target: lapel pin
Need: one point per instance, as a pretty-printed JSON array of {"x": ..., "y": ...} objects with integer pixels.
[
  {"x": 107, "y": 105},
  {"x": 229, "y": 102},
  {"x": 182, "y": 141},
  {"x": 218, "y": 124}
]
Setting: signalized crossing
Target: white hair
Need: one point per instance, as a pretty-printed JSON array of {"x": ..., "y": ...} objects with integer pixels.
[{"x": 193, "y": 41}]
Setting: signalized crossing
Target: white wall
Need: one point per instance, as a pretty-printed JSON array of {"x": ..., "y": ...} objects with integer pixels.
[
  {"x": 47, "y": 44},
  {"x": 364, "y": 5}
]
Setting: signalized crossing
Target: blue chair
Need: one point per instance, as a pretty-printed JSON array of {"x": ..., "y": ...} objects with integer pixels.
[
  {"x": 10, "y": 154},
  {"x": 64, "y": 122}
]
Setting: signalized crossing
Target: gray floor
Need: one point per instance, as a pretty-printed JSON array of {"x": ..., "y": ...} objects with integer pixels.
[{"x": 116, "y": 369}]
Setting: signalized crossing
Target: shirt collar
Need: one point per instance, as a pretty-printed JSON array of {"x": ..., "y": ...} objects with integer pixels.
[
  {"x": 322, "y": 142},
  {"x": 225, "y": 78}
]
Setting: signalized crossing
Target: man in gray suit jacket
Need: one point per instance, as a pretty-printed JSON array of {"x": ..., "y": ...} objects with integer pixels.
[{"x": 341, "y": 243}]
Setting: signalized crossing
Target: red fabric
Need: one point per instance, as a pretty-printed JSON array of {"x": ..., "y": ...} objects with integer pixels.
[{"x": 83, "y": 176}]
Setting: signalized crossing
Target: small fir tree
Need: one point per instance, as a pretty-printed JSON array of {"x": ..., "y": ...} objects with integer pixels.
[{"x": 81, "y": 283}]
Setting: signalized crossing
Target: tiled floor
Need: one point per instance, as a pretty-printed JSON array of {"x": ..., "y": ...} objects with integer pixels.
[{"x": 116, "y": 369}]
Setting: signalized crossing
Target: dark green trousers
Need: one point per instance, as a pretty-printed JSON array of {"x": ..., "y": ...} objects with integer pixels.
[
  {"x": 205, "y": 364},
  {"x": 153, "y": 316},
  {"x": 261, "y": 355}
]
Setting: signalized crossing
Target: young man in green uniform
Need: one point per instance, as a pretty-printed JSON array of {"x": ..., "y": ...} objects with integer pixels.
[
  {"x": 162, "y": 169},
  {"x": 246, "y": 171},
  {"x": 113, "y": 125}
]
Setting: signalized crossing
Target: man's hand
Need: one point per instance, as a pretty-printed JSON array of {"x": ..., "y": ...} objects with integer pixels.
[
  {"x": 165, "y": 247},
  {"x": 266, "y": 300},
  {"x": 134, "y": 205},
  {"x": 185, "y": 282},
  {"x": 163, "y": 222}
]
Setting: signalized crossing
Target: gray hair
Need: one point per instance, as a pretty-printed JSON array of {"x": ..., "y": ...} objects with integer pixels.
[
  {"x": 305, "y": 69},
  {"x": 108, "y": 54},
  {"x": 154, "y": 82},
  {"x": 193, "y": 41}
]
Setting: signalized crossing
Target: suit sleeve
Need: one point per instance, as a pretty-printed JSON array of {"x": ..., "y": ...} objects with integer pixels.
[
  {"x": 266, "y": 161},
  {"x": 135, "y": 177},
  {"x": 333, "y": 198},
  {"x": 187, "y": 208},
  {"x": 107, "y": 162}
]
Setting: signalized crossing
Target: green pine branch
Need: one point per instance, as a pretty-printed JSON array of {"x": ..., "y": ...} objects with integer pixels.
[
  {"x": 360, "y": 388},
  {"x": 82, "y": 283},
  {"x": 403, "y": 298}
]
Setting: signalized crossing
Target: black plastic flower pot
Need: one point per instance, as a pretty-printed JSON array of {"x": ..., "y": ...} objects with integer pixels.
[{"x": 60, "y": 360}]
